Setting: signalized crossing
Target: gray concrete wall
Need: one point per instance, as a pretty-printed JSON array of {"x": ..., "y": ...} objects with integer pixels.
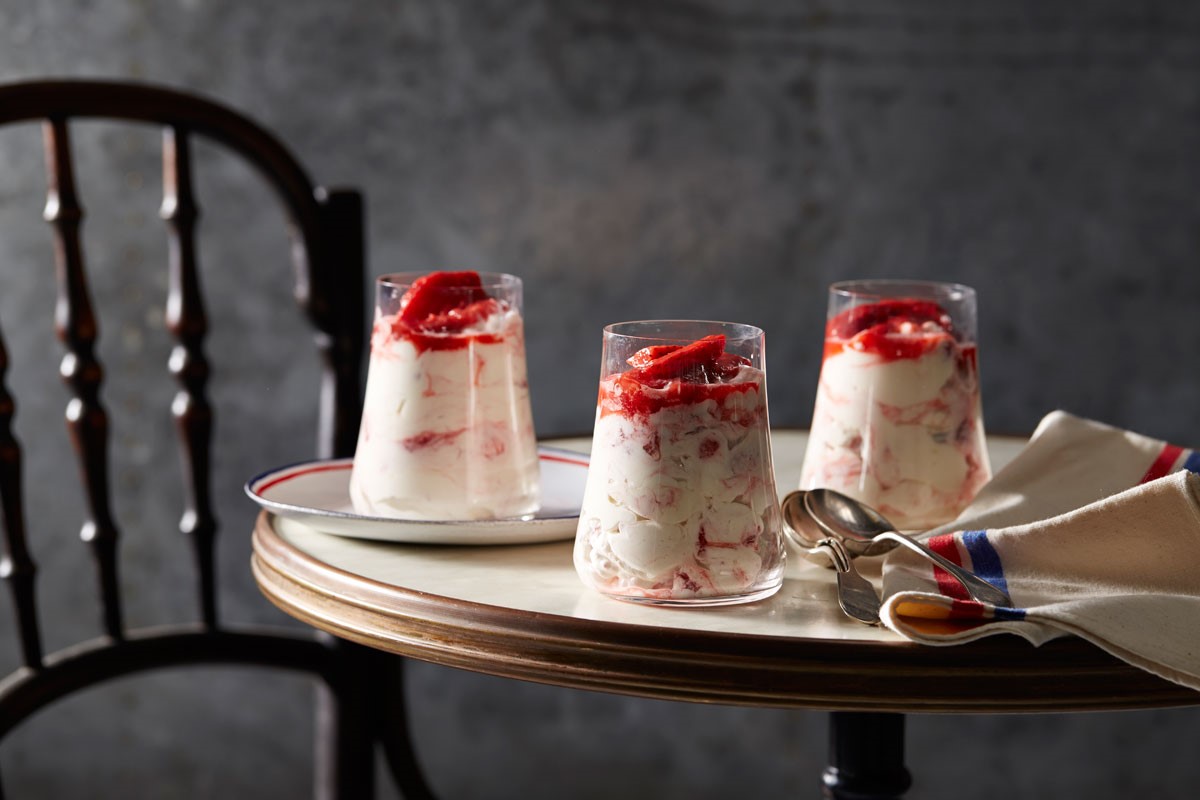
[{"x": 628, "y": 160}]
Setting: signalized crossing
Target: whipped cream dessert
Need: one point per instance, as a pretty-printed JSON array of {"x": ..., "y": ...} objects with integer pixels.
[
  {"x": 898, "y": 422},
  {"x": 680, "y": 503},
  {"x": 447, "y": 431}
]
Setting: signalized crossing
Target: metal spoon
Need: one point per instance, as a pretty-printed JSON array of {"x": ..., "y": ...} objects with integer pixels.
[
  {"x": 804, "y": 532},
  {"x": 856, "y": 595},
  {"x": 838, "y": 514}
]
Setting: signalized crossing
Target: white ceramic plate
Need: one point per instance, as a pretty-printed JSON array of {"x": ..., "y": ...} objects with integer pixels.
[{"x": 317, "y": 493}]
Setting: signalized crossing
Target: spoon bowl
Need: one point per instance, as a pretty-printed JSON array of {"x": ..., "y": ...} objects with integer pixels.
[
  {"x": 840, "y": 515},
  {"x": 803, "y": 530}
]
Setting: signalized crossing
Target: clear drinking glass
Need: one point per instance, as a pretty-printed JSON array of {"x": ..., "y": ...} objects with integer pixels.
[
  {"x": 446, "y": 432},
  {"x": 898, "y": 422},
  {"x": 680, "y": 506}
]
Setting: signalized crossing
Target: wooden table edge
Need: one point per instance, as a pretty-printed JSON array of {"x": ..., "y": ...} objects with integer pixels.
[{"x": 1002, "y": 674}]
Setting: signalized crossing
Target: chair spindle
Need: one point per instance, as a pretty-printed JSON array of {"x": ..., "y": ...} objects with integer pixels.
[
  {"x": 16, "y": 565},
  {"x": 76, "y": 325},
  {"x": 342, "y": 243},
  {"x": 188, "y": 323}
]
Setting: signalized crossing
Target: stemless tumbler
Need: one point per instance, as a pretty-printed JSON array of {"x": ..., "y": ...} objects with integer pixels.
[
  {"x": 680, "y": 506},
  {"x": 447, "y": 432},
  {"x": 897, "y": 421}
]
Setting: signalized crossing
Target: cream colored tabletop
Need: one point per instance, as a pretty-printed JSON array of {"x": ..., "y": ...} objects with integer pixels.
[{"x": 521, "y": 611}]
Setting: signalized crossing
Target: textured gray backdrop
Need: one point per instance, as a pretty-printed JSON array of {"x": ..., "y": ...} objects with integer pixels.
[{"x": 629, "y": 160}]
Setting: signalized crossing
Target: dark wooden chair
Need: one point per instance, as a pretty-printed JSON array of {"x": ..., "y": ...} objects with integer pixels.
[{"x": 328, "y": 256}]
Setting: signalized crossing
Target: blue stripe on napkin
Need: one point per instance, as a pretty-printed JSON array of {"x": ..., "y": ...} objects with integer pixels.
[
  {"x": 1009, "y": 614},
  {"x": 985, "y": 561}
]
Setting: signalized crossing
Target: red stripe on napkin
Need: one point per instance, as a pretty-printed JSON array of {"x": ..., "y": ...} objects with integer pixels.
[
  {"x": 946, "y": 546},
  {"x": 1162, "y": 465},
  {"x": 966, "y": 609}
]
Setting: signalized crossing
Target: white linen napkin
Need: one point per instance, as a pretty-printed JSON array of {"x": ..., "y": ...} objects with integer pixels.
[{"x": 1092, "y": 530}]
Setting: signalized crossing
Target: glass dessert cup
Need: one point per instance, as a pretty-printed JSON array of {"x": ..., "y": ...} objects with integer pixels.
[
  {"x": 680, "y": 506},
  {"x": 447, "y": 430},
  {"x": 898, "y": 422}
]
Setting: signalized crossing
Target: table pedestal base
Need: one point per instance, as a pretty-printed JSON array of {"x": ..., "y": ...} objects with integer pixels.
[
  {"x": 386, "y": 672},
  {"x": 866, "y": 757}
]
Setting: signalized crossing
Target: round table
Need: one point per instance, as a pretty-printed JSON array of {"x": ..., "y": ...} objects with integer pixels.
[{"x": 521, "y": 612}]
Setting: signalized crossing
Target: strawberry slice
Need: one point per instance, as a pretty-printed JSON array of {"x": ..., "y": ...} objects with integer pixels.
[
  {"x": 896, "y": 339},
  {"x": 439, "y": 292},
  {"x": 648, "y": 354},
  {"x": 459, "y": 319},
  {"x": 692, "y": 362},
  {"x": 727, "y": 365}
]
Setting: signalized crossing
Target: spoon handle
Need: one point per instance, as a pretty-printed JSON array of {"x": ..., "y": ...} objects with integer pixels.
[
  {"x": 976, "y": 587},
  {"x": 856, "y": 595}
]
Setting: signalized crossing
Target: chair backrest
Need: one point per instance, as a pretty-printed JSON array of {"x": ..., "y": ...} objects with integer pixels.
[{"x": 328, "y": 258}]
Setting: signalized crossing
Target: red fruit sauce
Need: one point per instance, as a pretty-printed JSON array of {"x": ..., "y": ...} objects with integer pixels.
[
  {"x": 438, "y": 308},
  {"x": 892, "y": 329},
  {"x": 671, "y": 375}
]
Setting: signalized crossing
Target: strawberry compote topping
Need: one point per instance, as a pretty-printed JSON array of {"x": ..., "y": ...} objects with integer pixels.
[
  {"x": 444, "y": 311},
  {"x": 891, "y": 329},
  {"x": 669, "y": 375}
]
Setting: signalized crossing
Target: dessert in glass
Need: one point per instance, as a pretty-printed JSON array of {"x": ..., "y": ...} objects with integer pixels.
[
  {"x": 897, "y": 421},
  {"x": 680, "y": 506},
  {"x": 447, "y": 431}
]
